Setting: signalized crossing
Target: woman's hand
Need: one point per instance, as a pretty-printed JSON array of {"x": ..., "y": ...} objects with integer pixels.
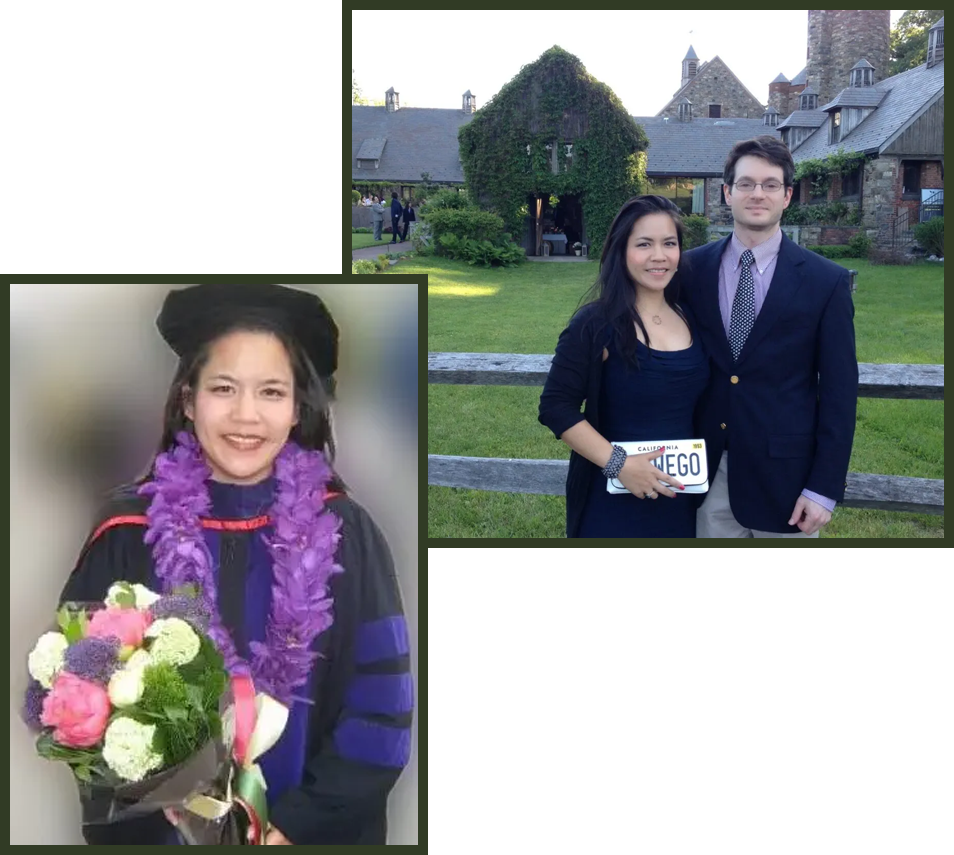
[{"x": 641, "y": 478}]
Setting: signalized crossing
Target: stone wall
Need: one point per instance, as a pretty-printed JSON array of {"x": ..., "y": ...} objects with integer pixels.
[
  {"x": 837, "y": 39},
  {"x": 715, "y": 84},
  {"x": 718, "y": 214}
]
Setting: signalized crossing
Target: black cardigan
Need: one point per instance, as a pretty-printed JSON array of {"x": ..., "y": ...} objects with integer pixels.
[{"x": 575, "y": 377}]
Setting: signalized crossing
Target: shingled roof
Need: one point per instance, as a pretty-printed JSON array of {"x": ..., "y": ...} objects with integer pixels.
[
  {"x": 856, "y": 96},
  {"x": 418, "y": 140},
  {"x": 804, "y": 119},
  {"x": 698, "y": 148},
  {"x": 906, "y": 96}
]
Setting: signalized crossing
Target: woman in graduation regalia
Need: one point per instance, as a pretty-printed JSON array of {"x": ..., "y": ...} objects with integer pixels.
[{"x": 242, "y": 501}]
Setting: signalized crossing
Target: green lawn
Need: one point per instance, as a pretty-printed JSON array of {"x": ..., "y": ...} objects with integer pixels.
[
  {"x": 898, "y": 318},
  {"x": 360, "y": 241}
]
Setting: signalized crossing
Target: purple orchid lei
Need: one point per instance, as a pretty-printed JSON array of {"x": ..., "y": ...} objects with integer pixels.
[{"x": 302, "y": 549}]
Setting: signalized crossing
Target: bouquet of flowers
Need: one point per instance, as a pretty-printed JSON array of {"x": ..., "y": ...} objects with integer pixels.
[{"x": 130, "y": 693}]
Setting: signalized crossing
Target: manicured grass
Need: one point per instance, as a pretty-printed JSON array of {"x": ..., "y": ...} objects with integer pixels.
[
  {"x": 360, "y": 241},
  {"x": 898, "y": 318}
]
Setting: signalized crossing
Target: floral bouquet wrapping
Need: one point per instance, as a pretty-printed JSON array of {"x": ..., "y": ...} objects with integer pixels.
[{"x": 130, "y": 694}]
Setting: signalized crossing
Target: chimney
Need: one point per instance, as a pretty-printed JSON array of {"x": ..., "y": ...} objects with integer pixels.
[
  {"x": 392, "y": 101},
  {"x": 470, "y": 103}
]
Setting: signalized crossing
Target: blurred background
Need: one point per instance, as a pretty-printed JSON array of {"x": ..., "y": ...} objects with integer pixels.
[{"x": 89, "y": 375}]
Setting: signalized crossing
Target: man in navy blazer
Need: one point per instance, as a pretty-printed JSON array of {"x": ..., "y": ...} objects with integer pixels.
[{"x": 777, "y": 321}]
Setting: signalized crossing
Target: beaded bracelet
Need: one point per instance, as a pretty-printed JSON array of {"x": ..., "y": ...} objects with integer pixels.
[{"x": 616, "y": 461}]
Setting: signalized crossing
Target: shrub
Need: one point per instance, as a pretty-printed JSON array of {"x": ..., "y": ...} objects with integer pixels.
[
  {"x": 859, "y": 245},
  {"x": 468, "y": 222},
  {"x": 382, "y": 262},
  {"x": 443, "y": 199},
  {"x": 889, "y": 256},
  {"x": 838, "y": 250},
  {"x": 930, "y": 236},
  {"x": 362, "y": 230},
  {"x": 363, "y": 267},
  {"x": 833, "y": 214},
  {"x": 481, "y": 252},
  {"x": 696, "y": 231},
  {"x": 355, "y": 198}
]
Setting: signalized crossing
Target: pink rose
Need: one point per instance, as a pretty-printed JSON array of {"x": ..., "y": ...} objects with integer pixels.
[
  {"x": 128, "y": 625},
  {"x": 78, "y": 709}
]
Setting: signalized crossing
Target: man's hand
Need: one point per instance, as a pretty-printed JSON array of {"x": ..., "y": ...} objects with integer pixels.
[
  {"x": 275, "y": 837},
  {"x": 809, "y": 516}
]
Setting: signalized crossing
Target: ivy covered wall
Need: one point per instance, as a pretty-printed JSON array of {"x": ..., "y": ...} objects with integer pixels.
[{"x": 513, "y": 145}]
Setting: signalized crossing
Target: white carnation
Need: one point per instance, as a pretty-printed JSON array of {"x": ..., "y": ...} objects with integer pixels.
[
  {"x": 127, "y": 749},
  {"x": 144, "y": 597},
  {"x": 125, "y": 687},
  {"x": 174, "y": 641},
  {"x": 46, "y": 658}
]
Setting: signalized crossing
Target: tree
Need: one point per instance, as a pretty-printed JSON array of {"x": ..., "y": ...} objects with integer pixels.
[
  {"x": 909, "y": 39},
  {"x": 356, "y": 91}
]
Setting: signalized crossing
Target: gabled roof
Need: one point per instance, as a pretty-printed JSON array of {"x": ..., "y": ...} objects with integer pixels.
[
  {"x": 856, "y": 96},
  {"x": 780, "y": 79},
  {"x": 804, "y": 119},
  {"x": 418, "y": 140},
  {"x": 938, "y": 23},
  {"x": 697, "y": 148},
  {"x": 906, "y": 96},
  {"x": 705, "y": 67},
  {"x": 801, "y": 78}
]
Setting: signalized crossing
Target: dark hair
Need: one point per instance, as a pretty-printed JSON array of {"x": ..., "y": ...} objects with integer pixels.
[
  {"x": 393, "y": 195},
  {"x": 312, "y": 394},
  {"x": 768, "y": 148},
  {"x": 614, "y": 290}
]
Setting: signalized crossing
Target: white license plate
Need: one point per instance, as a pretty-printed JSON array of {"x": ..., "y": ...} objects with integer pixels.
[{"x": 683, "y": 459}]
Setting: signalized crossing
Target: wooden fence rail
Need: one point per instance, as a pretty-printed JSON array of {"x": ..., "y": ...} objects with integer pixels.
[{"x": 886, "y": 492}]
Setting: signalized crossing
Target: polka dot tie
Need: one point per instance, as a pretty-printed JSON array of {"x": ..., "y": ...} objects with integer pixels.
[{"x": 743, "y": 307}]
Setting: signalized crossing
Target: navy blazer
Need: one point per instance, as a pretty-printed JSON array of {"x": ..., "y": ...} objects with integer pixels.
[{"x": 788, "y": 405}]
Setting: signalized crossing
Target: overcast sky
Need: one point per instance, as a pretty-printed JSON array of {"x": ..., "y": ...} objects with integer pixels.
[{"x": 431, "y": 58}]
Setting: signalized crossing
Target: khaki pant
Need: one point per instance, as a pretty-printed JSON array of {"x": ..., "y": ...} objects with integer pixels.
[{"x": 715, "y": 519}]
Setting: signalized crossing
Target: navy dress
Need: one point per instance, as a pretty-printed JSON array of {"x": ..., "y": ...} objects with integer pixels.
[{"x": 655, "y": 401}]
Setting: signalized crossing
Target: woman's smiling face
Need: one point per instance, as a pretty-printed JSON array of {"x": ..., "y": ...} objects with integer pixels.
[{"x": 243, "y": 406}]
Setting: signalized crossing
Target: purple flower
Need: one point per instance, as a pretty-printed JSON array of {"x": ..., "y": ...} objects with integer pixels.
[
  {"x": 93, "y": 659},
  {"x": 33, "y": 705},
  {"x": 190, "y": 609}
]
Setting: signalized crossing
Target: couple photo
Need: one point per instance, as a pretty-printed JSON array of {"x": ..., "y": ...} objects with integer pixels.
[{"x": 745, "y": 343}]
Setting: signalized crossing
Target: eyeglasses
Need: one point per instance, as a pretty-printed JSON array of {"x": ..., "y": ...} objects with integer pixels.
[{"x": 749, "y": 186}]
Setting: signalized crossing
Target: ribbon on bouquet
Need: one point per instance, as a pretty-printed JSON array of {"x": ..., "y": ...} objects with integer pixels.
[{"x": 256, "y": 722}]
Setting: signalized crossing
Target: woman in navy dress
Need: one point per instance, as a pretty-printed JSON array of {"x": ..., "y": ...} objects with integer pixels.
[{"x": 630, "y": 355}]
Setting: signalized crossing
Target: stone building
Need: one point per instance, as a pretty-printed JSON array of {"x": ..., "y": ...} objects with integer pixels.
[{"x": 712, "y": 91}]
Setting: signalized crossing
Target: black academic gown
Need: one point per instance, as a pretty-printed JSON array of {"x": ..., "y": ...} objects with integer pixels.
[{"x": 358, "y": 731}]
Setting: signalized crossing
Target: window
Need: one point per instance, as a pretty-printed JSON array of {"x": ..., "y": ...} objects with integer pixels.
[
  {"x": 911, "y": 179},
  {"x": 835, "y": 127},
  {"x": 715, "y": 111},
  {"x": 851, "y": 183},
  {"x": 679, "y": 190}
]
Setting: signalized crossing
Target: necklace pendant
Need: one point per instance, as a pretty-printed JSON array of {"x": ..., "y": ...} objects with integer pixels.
[{"x": 657, "y": 320}]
